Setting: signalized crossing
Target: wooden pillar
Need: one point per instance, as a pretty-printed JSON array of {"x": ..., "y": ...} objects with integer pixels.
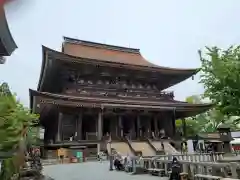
[
  {"x": 138, "y": 126},
  {"x": 59, "y": 129},
  {"x": 79, "y": 126},
  {"x": 156, "y": 125},
  {"x": 149, "y": 130},
  {"x": 100, "y": 131},
  {"x": 174, "y": 123},
  {"x": 184, "y": 127},
  {"x": 133, "y": 128},
  {"x": 120, "y": 126}
]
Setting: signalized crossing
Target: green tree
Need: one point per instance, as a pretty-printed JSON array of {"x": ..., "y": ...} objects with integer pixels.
[
  {"x": 205, "y": 122},
  {"x": 15, "y": 122},
  {"x": 192, "y": 124},
  {"x": 221, "y": 79}
]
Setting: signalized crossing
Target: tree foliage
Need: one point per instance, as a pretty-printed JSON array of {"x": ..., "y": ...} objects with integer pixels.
[
  {"x": 221, "y": 78},
  {"x": 204, "y": 122},
  {"x": 15, "y": 122}
]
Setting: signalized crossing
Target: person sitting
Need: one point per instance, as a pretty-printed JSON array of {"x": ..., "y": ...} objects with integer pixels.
[
  {"x": 176, "y": 168},
  {"x": 118, "y": 165}
]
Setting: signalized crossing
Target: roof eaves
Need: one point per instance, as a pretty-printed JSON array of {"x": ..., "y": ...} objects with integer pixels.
[
  {"x": 5, "y": 33},
  {"x": 119, "y": 64},
  {"x": 43, "y": 66},
  {"x": 116, "y": 101}
]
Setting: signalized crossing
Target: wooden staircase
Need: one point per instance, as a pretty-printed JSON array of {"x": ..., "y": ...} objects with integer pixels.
[
  {"x": 168, "y": 148},
  {"x": 144, "y": 147},
  {"x": 120, "y": 147},
  {"x": 158, "y": 151},
  {"x": 134, "y": 152},
  {"x": 141, "y": 147}
]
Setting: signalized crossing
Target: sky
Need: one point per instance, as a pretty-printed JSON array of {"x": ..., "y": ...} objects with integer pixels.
[{"x": 168, "y": 33}]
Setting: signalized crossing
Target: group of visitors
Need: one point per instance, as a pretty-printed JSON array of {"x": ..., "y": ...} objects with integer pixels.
[
  {"x": 122, "y": 163},
  {"x": 201, "y": 147}
]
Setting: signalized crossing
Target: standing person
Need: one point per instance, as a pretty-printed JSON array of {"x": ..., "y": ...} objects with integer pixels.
[
  {"x": 182, "y": 147},
  {"x": 162, "y": 145},
  {"x": 176, "y": 170},
  {"x": 61, "y": 154}
]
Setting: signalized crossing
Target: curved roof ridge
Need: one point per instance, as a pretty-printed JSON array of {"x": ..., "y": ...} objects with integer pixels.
[
  {"x": 100, "y": 45},
  {"x": 154, "y": 67}
]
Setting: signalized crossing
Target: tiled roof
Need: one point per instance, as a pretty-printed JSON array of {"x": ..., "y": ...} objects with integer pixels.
[{"x": 105, "y": 52}]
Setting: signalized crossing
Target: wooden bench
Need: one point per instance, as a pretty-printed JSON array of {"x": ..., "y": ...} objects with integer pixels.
[
  {"x": 155, "y": 171},
  {"x": 199, "y": 176}
]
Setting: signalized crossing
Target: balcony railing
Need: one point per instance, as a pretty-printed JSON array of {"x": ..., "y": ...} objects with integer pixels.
[{"x": 167, "y": 94}]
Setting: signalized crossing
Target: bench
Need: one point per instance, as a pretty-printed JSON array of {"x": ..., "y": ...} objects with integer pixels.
[
  {"x": 207, "y": 176},
  {"x": 155, "y": 171}
]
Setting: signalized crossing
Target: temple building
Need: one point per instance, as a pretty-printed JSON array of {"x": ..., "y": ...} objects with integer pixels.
[
  {"x": 92, "y": 92},
  {"x": 7, "y": 43}
]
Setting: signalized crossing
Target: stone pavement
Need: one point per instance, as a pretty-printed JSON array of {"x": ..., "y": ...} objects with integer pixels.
[{"x": 91, "y": 171}]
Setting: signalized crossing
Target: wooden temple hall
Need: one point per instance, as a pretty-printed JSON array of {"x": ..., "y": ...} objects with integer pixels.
[{"x": 91, "y": 92}]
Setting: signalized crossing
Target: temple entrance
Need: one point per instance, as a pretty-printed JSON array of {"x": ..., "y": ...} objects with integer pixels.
[
  {"x": 152, "y": 128},
  {"x": 68, "y": 127},
  {"x": 89, "y": 127},
  {"x": 106, "y": 125},
  {"x": 126, "y": 123}
]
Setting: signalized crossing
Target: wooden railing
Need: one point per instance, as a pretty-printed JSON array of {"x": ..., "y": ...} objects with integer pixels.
[
  {"x": 201, "y": 166},
  {"x": 108, "y": 91},
  {"x": 130, "y": 146},
  {"x": 157, "y": 151}
]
